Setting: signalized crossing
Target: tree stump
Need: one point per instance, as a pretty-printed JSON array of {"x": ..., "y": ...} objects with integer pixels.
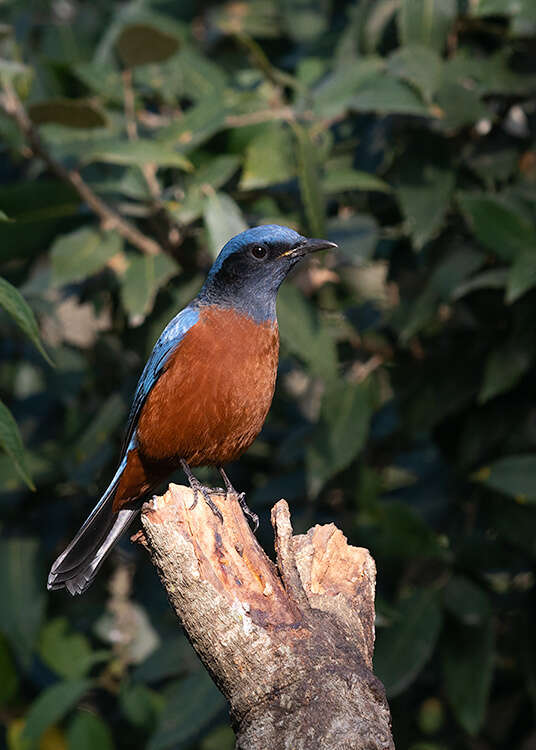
[{"x": 291, "y": 645}]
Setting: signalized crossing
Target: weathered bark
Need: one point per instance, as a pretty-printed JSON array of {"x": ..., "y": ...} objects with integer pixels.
[{"x": 289, "y": 646}]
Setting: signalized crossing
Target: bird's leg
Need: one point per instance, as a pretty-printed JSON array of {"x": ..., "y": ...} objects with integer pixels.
[
  {"x": 241, "y": 497},
  {"x": 197, "y": 486}
]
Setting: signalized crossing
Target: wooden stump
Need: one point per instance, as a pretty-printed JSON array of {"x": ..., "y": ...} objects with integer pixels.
[{"x": 289, "y": 646}]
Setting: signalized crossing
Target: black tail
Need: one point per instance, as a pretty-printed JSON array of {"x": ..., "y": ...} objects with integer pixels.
[{"x": 77, "y": 566}]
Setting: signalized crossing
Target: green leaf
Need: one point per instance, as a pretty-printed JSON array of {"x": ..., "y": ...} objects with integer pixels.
[
  {"x": 11, "y": 443},
  {"x": 23, "y": 597},
  {"x": 418, "y": 65},
  {"x": 143, "y": 278},
  {"x": 4, "y": 217},
  {"x": 386, "y": 95},
  {"x": 304, "y": 334},
  {"x": 67, "y": 654},
  {"x": 310, "y": 182},
  {"x": 305, "y": 20},
  {"x": 339, "y": 180},
  {"x": 192, "y": 704},
  {"x": 504, "y": 368},
  {"x": 497, "y": 225},
  {"x": 424, "y": 194},
  {"x": 71, "y": 113},
  {"x": 333, "y": 95},
  {"x": 221, "y": 738},
  {"x": 402, "y": 534},
  {"x": 403, "y": 648},
  {"x": 209, "y": 177},
  {"x": 468, "y": 602},
  {"x": 495, "y": 278},
  {"x": 426, "y": 21},
  {"x": 223, "y": 219},
  {"x": 356, "y": 236},
  {"x": 142, "y": 43},
  {"x": 468, "y": 666},
  {"x": 137, "y": 153},
  {"x": 82, "y": 253},
  {"x": 141, "y": 705},
  {"x": 51, "y": 706},
  {"x": 513, "y": 475},
  {"x": 522, "y": 275},
  {"x": 88, "y": 732},
  {"x": 269, "y": 158},
  {"x": 9, "y": 679},
  {"x": 341, "y": 432},
  {"x": 199, "y": 123},
  {"x": 16, "y": 306},
  {"x": 459, "y": 106}
]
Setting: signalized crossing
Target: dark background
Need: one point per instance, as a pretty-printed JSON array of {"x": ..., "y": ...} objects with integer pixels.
[{"x": 404, "y": 410}]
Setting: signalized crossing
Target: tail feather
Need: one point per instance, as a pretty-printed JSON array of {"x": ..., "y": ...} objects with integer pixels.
[{"x": 78, "y": 564}]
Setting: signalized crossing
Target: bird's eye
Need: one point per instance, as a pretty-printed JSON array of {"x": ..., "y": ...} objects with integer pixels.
[{"x": 259, "y": 252}]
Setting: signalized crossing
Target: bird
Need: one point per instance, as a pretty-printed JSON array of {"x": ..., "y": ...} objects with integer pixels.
[{"x": 203, "y": 395}]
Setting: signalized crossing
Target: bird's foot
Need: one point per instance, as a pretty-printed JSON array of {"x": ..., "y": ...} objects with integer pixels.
[
  {"x": 246, "y": 510},
  {"x": 206, "y": 492},
  {"x": 241, "y": 497}
]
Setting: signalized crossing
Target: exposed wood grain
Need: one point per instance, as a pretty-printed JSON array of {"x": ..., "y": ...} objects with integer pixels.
[{"x": 290, "y": 645}]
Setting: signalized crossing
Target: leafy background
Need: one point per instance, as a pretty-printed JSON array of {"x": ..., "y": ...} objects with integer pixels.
[{"x": 404, "y": 131}]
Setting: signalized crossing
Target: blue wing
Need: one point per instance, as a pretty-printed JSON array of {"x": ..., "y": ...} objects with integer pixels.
[{"x": 172, "y": 334}]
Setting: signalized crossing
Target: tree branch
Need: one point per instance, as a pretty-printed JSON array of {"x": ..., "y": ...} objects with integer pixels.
[
  {"x": 289, "y": 646},
  {"x": 110, "y": 219}
]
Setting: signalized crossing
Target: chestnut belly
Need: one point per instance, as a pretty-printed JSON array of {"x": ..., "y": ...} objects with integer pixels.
[{"x": 211, "y": 402}]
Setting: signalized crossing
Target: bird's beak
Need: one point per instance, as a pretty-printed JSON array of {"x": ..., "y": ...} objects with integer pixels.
[{"x": 306, "y": 246}]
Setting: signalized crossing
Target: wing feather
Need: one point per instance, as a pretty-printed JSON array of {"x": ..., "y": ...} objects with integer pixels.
[{"x": 172, "y": 334}]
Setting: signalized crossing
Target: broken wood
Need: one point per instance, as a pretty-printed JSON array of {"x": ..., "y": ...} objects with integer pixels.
[{"x": 291, "y": 645}]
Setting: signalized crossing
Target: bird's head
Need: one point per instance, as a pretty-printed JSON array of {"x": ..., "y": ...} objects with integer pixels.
[{"x": 251, "y": 266}]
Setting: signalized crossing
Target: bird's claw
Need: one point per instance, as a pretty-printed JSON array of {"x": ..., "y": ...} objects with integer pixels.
[
  {"x": 241, "y": 497},
  {"x": 206, "y": 492}
]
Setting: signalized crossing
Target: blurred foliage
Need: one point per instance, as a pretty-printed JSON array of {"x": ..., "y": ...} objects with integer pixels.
[{"x": 403, "y": 130}]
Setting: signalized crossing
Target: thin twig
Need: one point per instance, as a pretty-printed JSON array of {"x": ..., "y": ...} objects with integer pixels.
[{"x": 110, "y": 219}]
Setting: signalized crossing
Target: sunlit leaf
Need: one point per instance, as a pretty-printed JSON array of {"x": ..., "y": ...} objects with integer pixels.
[
  {"x": 333, "y": 95},
  {"x": 11, "y": 443},
  {"x": 68, "y": 654},
  {"x": 418, "y": 65},
  {"x": 138, "y": 153},
  {"x": 387, "y": 95},
  {"x": 16, "y": 306},
  {"x": 143, "y": 278},
  {"x": 82, "y": 253},
  {"x": 426, "y": 21},
  {"x": 269, "y": 158},
  {"x": 223, "y": 219}
]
